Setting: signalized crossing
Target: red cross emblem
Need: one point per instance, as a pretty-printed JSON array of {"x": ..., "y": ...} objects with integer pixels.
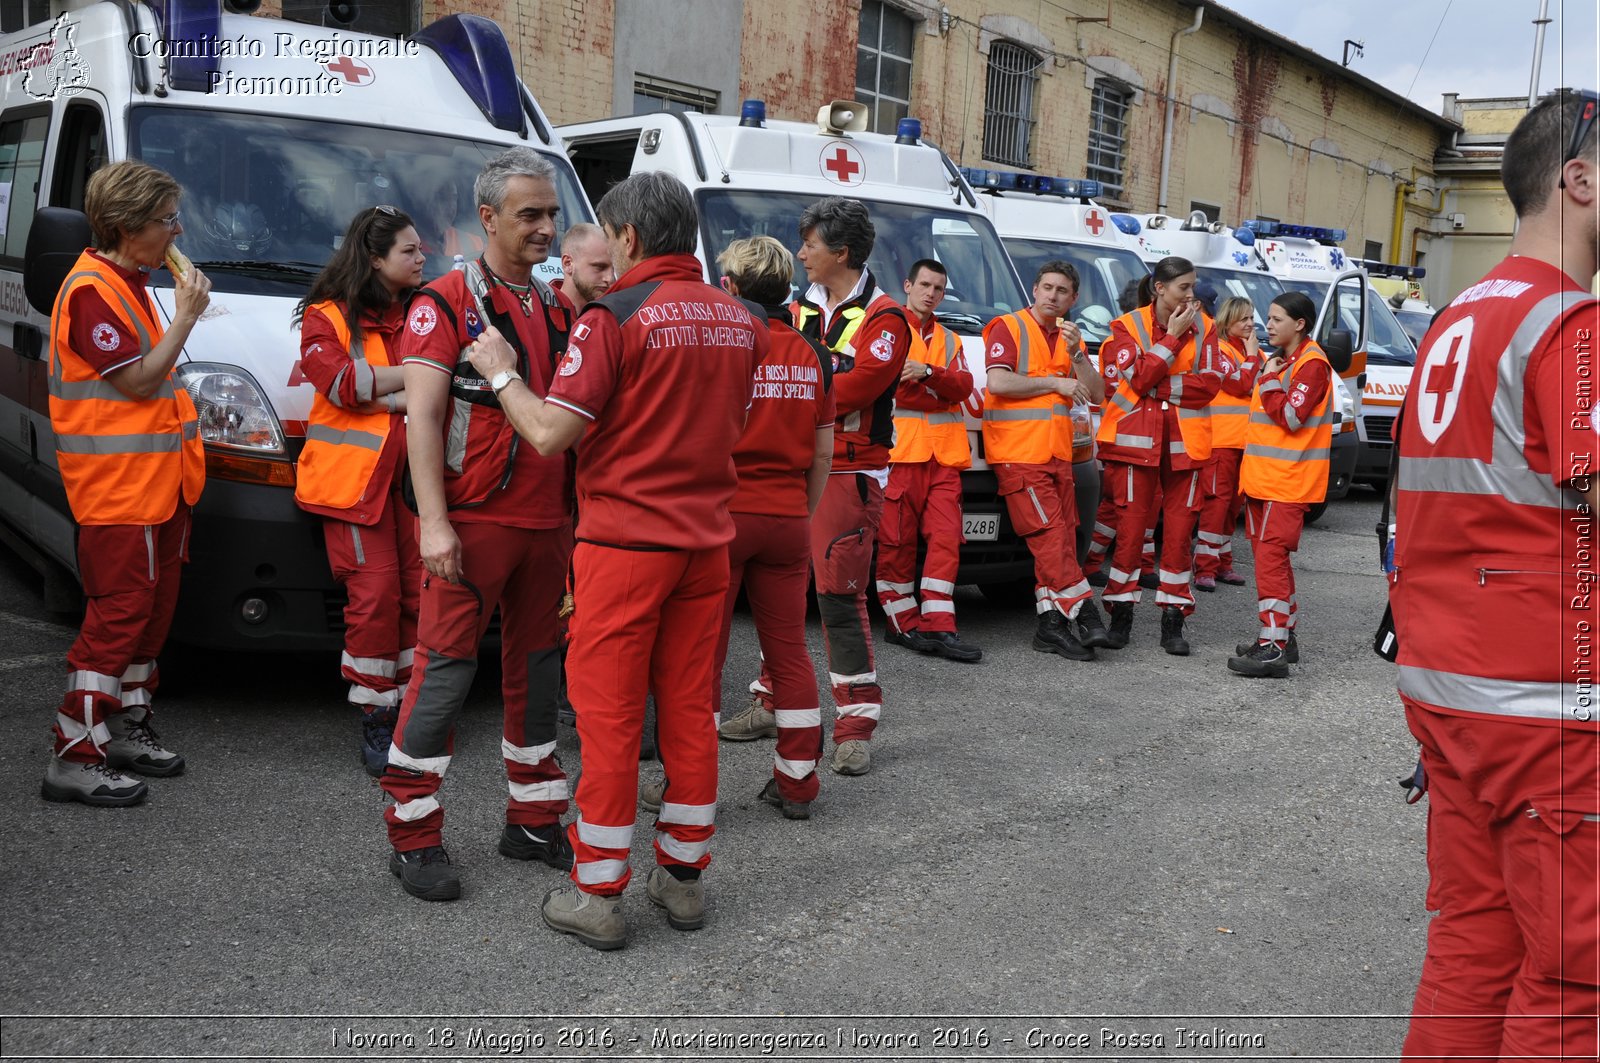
[
  {"x": 842, "y": 164},
  {"x": 1094, "y": 221},
  {"x": 352, "y": 72},
  {"x": 1443, "y": 369}
]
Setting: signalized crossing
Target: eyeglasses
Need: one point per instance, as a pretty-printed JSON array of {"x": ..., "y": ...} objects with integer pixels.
[
  {"x": 387, "y": 211},
  {"x": 170, "y": 221},
  {"x": 1580, "y": 131}
]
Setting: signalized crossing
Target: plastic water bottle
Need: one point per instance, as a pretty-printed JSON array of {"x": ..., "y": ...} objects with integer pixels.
[{"x": 459, "y": 264}]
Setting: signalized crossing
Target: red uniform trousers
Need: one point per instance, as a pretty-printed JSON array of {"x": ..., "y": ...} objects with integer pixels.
[
  {"x": 1044, "y": 511},
  {"x": 130, "y": 580},
  {"x": 1105, "y": 531},
  {"x": 380, "y": 567},
  {"x": 771, "y": 557},
  {"x": 843, "y": 530},
  {"x": 1141, "y": 493},
  {"x": 1274, "y": 531},
  {"x": 524, "y": 572},
  {"x": 643, "y": 625},
  {"x": 923, "y": 498},
  {"x": 1514, "y": 872},
  {"x": 1219, "y": 514}
]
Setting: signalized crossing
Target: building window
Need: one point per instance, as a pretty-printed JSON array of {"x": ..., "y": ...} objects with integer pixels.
[
  {"x": 883, "y": 64},
  {"x": 1210, "y": 210},
  {"x": 1010, "y": 103},
  {"x": 653, "y": 94},
  {"x": 1108, "y": 134},
  {"x": 1374, "y": 251}
]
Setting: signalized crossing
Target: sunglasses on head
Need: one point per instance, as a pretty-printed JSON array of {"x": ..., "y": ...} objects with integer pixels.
[
  {"x": 1580, "y": 130},
  {"x": 387, "y": 211}
]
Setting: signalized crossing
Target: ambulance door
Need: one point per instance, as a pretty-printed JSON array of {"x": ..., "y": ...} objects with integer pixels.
[{"x": 1345, "y": 308}]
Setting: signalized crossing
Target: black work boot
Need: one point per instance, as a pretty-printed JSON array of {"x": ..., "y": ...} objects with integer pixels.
[
  {"x": 1091, "y": 629},
  {"x": 1121, "y": 625},
  {"x": 1172, "y": 639},
  {"x": 1291, "y": 651},
  {"x": 1265, "y": 660},
  {"x": 1055, "y": 636}
]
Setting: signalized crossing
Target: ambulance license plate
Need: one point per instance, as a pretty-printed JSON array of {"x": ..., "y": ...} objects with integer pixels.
[{"x": 980, "y": 527}]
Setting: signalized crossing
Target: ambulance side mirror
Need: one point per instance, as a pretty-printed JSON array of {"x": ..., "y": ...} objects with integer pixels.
[
  {"x": 57, "y": 238},
  {"x": 1338, "y": 347}
]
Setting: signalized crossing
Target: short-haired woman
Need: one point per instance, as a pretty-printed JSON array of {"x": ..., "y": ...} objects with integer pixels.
[
  {"x": 1238, "y": 357},
  {"x": 131, "y": 460},
  {"x": 349, "y": 471},
  {"x": 1287, "y": 446}
]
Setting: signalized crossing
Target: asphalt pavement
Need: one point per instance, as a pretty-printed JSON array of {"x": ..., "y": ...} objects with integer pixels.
[{"x": 1137, "y": 857}]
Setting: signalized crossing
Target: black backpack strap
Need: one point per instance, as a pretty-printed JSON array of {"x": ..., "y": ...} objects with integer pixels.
[{"x": 626, "y": 303}]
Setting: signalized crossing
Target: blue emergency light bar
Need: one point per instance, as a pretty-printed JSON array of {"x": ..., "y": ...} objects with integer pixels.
[
  {"x": 1127, "y": 223},
  {"x": 191, "y": 27},
  {"x": 1391, "y": 269},
  {"x": 476, "y": 54},
  {"x": 753, "y": 113},
  {"x": 1245, "y": 235},
  {"x": 1263, "y": 227},
  {"x": 908, "y": 131},
  {"x": 1039, "y": 184}
]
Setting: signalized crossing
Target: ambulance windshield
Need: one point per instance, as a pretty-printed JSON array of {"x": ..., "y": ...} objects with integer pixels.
[
  {"x": 267, "y": 198},
  {"x": 1259, "y": 288},
  {"x": 982, "y": 283},
  {"x": 1103, "y": 272},
  {"x": 1416, "y": 323},
  {"x": 1387, "y": 342}
]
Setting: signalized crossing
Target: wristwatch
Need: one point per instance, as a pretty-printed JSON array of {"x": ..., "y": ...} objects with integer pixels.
[
  {"x": 927, "y": 370},
  {"x": 499, "y": 381}
]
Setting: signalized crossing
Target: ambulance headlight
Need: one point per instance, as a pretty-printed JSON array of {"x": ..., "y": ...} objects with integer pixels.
[{"x": 233, "y": 411}]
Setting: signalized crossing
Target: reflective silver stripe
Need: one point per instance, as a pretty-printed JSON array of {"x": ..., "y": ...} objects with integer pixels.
[
  {"x": 408, "y": 811},
  {"x": 1044, "y": 606},
  {"x": 1035, "y": 414},
  {"x": 360, "y": 695},
  {"x": 150, "y": 549},
  {"x": 1136, "y": 442},
  {"x": 1257, "y": 450},
  {"x": 939, "y": 586},
  {"x": 1037, "y": 508},
  {"x": 688, "y": 852},
  {"x": 529, "y": 755},
  {"x": 1077, "y": 590},
  {"x": 433, "y": 765},
  {"x": 849, "y": 680},
  {"x": 936, "y": 605},
  {"x": 1194, "y": 488},
  {"x": 98, "y": 735},
  {"x": 153, "y": 443},
  {"x": 869, "y": 710},
  {"x": 75, "y": 390},
  {"x": 1469, "y": 476},
  {"x": 897, "y": 588},
  {"x": 699, "y": 815},
  {"x": 1226, "y": 410},
  {"x": 599, "y": 872},
  {"x": 1272, "y": 383},
  {"x": 379, "y": 666},
  {"x": 787, "y": 718},
  {"x": 550, "y": 790},
  {"x": 1141, "y": 333},
  {"x": 348, "y": 437},
  {"x": 1190, "y": 415},
  {"x": 1174, "y": 389},
  {"x": 945, "y": 418},
  {"x": 1119, "y": 576},
  {"x": 1273, "y": 634},
  {"x": 1024, "y": 343},
  {"x": 1498, "y": 697},
  {"x": 1176, "y": 447},
  {"x": 1174, "y": 577},
  {"x": 135, "y": 697},
  {"x": 605, "y": 837},
  {"x": 952, "y": 347},
  {"x": 333, "y": 389},
  {"x": 355, "y": 543},
  {"x": 366, "y": 381},
  {"x": 1123, "y": 402},
  {"x": 138, "y": 673},
  {"x": 795, "y": 769},
  {"x": 899, "y": 605},
  {"x": 1168, "y": 598},
  {"x": 1291, "y": 420},
  {"x": 1274, "y": 605},
  {"x": 1161, "y": 352},
  {"x": 98, "y": 682}
]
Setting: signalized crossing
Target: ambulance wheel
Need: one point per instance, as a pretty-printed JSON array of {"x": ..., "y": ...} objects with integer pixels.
[{"x": 1316, "y": 511}]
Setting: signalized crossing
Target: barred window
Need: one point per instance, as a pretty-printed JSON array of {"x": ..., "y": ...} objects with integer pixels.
[
  {"x": 883, "y": 64},
  {"x": 1108, "y": 134},
  {"x": 1010, "y": 103},
  {"x": 652, "y": 94}
]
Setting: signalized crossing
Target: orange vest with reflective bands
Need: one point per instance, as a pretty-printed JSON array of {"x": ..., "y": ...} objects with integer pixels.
[
  {"x": 1194, "y": 426},
  {"x": 937, "y": 434},
  {"x": 1229, "y": 413},
  {"x": 1280, "y": 465},
  {"x": 343, "y": 446},
  {"x": 122, "y": 460},
  {"x": 1036, "y": 430}
]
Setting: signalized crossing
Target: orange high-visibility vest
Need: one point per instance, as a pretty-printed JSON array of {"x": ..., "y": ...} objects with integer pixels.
[
  {"x": 343, "y": 446},
  {"x": 1280, "y": 465},
  {"x": 1036, "y": 430},
  {"x": 938, "y": 434},
  {"x": 123, "y": 460},
  {"x": 1194, "y": 426},
  {"x": 1229, "y": 413}
]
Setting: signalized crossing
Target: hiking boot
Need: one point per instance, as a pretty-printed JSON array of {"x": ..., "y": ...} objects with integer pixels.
[
  {"x": 1150, "y": 581},
  {"x": 1231, "y": 578},
  {"x": 948, "y": 644},
  {"x": 1097, "y": 578},
  {"x": 548, "y": 844},
  {"x": 595, "y": 921},
  {"x": 1205, "y": 583},
  {"x": 135, "y": 747},
  {"x": 911, "y": 640},
  {"x": 756, "y": 721},
  {"x": 1291, "y": 651},
  {"x": 852, "y": 757},
  {"x": 791, "y": 809},
  {"x": 377, "y": 735},
  {"x": 1055, "y": 636},
  {"x": 92, "y": 783},
  {"x": 1266, "y": 660},
  {"x": 1121, "y": 624},
  {"x": 684, "y": 901},
  {"x": 1091, "y": 629},
  {"x": 426, "y": 873},
  {"x": 1172, "y": 639},
  {"x": 651, "y": 795}
]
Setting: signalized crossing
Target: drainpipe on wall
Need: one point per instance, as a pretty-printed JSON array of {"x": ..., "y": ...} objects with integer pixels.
[
  {"x": 1398, "y": 234},
  {"x": 1172, "y": 106}
]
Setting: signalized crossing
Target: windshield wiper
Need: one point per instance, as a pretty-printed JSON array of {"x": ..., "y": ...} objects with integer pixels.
[
  {"x": 969, "y": 321},
  {"x": 293, "y": 269}
]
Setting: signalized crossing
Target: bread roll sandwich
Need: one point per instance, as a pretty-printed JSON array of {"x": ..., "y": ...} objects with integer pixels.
[{"x": 178, "y": 262}]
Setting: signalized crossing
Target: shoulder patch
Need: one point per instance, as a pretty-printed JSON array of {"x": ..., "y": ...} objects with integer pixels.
[
  {"x": 105, "y": 337},
  {"x": 423, "y": 318},
  {"x": 572, "y": 362}
]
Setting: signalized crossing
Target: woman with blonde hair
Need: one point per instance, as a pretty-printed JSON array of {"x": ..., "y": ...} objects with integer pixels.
[{"x": 1230, "y": 411}]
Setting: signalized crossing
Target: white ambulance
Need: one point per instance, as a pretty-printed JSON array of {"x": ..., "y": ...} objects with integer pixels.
[
  {"x": 279, "y": 132},
  {"x": 753, "y": 177},
  {"x": 1308, "y": 259},
  {"x": 1226, "y": 260},
  {"x": 1402, "y": 287}
]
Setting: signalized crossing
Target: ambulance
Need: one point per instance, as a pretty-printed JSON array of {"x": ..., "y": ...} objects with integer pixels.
[
  {"x": 751, "y": 177},
  {"x": 279, "y": 132},
  {"x": 1308, "y": 259},
  {"x": 1226, "y": 260},
  {"x": 1402, "y": 287}
]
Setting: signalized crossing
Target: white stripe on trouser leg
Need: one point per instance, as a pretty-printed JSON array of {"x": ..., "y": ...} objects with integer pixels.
[
  {"x": 404, "y": 659},
  {"x": 150, "y": 549},
  {"x": 798, "y": 718},
  {"x": 598, "y": 872},
  {"x": 898, "y": 606},
  {"x": 135, "y": 698},
  {"x": 1163, "y": 598},
  {"x": 840, "y": 680},
  {"x": 716, "y": 718},
  {"x": 549, "y": 790},
  {"x": 1118, "y": 576},
  {"x": 688, "y": 852},
  {"x": 526, "y": 754},
  {"x": 795, "y": 769},
  {"x": 1168, "y": 576},
  {"x": 688, "y": 815},
  {"x": 360, "y": 695},
  {"x": 938, "y": 605},
  {"x": 894, "y": 588},
  {"x": 1043, "y": 601},
  {"x": 411, "y": 811},
  {"x": 1272, "y": 605},
  {"x": 605, "y": 837},
  {"x": 1274, "y": 634},
  {"x": 938, "y": 586},
  {"x": 1194, "y": 487},
  {"x": 1204, "y": 549},
  {"x": 1104, "y": 530},
  {"x": 1077, "y": 590},
  {"x": 866, "y": 711},
  {"x": 76, "y": 732},
  {"x": 382, "y": 667},
  {"x": 139, "y": 673},
  {"x": 398, "y": 758},
  {"x": 98, "y": 682},
  {"x": 1214, "y": 538}
]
